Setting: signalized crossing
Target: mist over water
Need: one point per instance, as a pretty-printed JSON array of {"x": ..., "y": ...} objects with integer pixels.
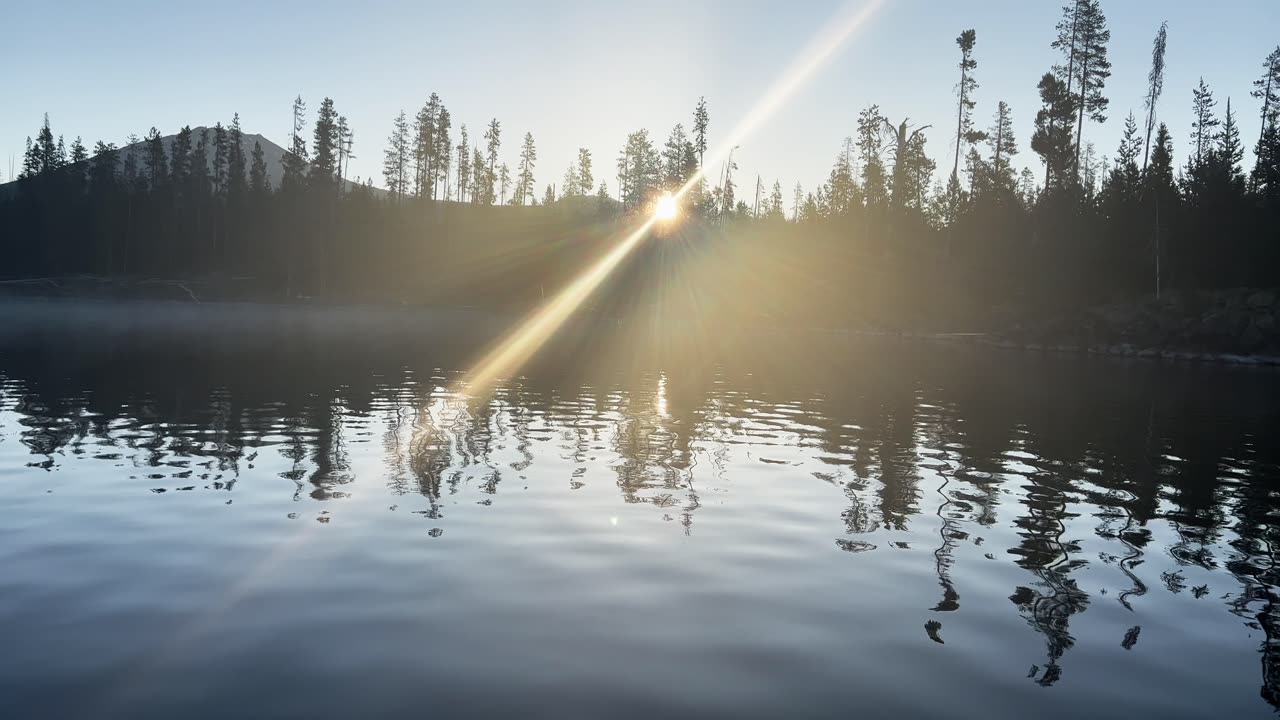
[{"x": 309, "y": 515}]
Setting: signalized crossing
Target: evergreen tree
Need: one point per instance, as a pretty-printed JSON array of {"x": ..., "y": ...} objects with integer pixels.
[
  {"x": 775, "y": 202},
  {"x": 1124, "y": 181},
  {"x": 219, "y": 159},
  {"x": 424, "y": 146},
  {"x": 324, "y": 149},
  {"x": 493, "y": 141},
  {"x": 441, "y": 159},
  {"x": 964, "y": 91},
  {"x": 1229, "y": 153},
  {"x": 673, "y": 159},
  {"x": 549, "y": 196},
  {"x": 504, "y": 183},
  {"x": 524, "y": 183},
  {"x": 1052, "y": 137},
  {"x": 638, "y": 169},
  {"x": 1003, "y": 146},
  {"x": 1155, "y": 86},
  {"x": 1203, "y": 123},
  {"x": 1265, "y": 177},
  {"x": 78, "y": 152},
  {"x": 236, "y": 182},
  {"x": 585, "y": 178},
  {"x": 180, "y": 161},
  {"x": 294, "y": 164},
  {"x": 797, "y": 199},
  {"x": 1267, "y": 89},
  {"x": 569, "y": 185},
  {"x": 701, "y": 120},
  {"x": 103, "y": 169},
  {"x": 1083, "y": 38},
  {"x": 870, "y": 143},
  {"x": 1158, "y": 187},
  {"x": 259, "y": 181},
  {"x": 396, "y": 158},
  {"x": 464, "y": 162},
  {"x": 344, "y": 141},
  {"x": 481, "y": 179},
  {"x": 157, "y": 161}
]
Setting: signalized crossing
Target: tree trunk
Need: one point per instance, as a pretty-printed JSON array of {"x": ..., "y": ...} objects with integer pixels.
[{"x": 1084, "y": 90}]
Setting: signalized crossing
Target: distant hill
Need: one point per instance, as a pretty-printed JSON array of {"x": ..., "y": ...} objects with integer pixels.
[{"x": 271, "y": 152}]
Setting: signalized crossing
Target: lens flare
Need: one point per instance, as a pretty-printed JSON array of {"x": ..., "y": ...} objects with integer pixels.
[
  {"x": 525, "y": 339},
  {"x": 666, "y": 208}
]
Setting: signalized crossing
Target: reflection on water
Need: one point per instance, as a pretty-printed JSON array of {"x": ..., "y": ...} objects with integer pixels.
[{"x": 332, "y": 528}]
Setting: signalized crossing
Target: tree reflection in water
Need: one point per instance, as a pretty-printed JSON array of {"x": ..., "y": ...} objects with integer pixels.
[{"x": 952, "y": 446}]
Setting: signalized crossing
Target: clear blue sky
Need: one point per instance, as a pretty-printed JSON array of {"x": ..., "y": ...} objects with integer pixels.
[{"x": 587, "y": 73}]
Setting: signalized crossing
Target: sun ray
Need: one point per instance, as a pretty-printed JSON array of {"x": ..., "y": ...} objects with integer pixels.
[{"x": 523, "y": 341}]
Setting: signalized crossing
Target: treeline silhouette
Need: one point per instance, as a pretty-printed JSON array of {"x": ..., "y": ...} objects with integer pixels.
[{"x": 457, "y": 225}]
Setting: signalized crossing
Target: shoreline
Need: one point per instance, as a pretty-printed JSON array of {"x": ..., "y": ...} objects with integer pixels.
[{"x": 247, "y": 317}]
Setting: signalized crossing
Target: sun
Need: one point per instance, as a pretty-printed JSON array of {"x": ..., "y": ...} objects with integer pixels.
[{"x": 666, "y": 208}]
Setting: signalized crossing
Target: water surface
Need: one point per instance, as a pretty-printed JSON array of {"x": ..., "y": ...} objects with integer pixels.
[{"x": 312, "y": 522}]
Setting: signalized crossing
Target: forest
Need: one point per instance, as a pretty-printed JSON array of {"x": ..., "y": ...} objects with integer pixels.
[{"x": 888, "y": 238}]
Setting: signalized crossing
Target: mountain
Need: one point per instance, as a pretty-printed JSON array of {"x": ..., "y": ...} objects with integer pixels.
[{"x": 271, "y": 152}]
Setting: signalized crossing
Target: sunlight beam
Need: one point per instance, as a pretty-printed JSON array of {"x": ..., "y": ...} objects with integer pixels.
[
  {"x": 525, "y": 340},
  {"x": 816, "y": 54}
]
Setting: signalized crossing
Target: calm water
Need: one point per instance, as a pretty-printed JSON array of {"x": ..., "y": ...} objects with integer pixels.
[{"x": 320, "y": 524}]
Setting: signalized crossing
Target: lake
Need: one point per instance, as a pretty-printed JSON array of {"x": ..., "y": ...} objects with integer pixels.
[{"x": 309, "y": 515}]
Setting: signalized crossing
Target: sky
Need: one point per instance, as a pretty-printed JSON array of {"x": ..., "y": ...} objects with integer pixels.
[{"x": 584, "y": 74}]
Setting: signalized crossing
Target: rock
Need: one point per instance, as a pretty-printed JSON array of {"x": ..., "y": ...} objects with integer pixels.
[{"x": 1262, "y": 298}]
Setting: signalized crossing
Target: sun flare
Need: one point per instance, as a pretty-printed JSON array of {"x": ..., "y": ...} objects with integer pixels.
[{"x": 666, "y": 209}]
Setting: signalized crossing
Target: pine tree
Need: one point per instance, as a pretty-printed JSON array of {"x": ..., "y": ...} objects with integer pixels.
[
  {"x": 1203, "y": 123},
  {"x": 964, "y": 91},
  {"x": 1155, "y": 86},
  {"x": 1125, "y": 176},
  {"x": 1052, "y": 137},
  {"x": 1083, "y": 38},
  {"x": 481, "y": 179},
  {"x": 569, "y": 185},
  {"x": 701, "y": 121},
  {"x": 1229, "y": 153},
  {"x": 585, "y": 179},
  {"x": 493, "y": 141},
  {"x": 1158, "y": 186},
  {"x": 424, "y": 146},
  {"x": 180, "y": 160},
  {"x": 870, "y": 144},
  {"x": 1265, "y": 177},
  {"x": 796, "y": 200},
  {"x": 105, "y": 165},
  {"x": 504, "y": 183},
  {"x": 524, "y": 182},
  {"x": 464, "y": 162},
  {"x": 549, "y": 196},
  {"x": 259, "y": 181},
  {"x": 219, "y": 159},
  {"x": 294, "y": 164},
  {"x": 775, "y": 202},
  {"x": 443, "y": 154},
  {"x": 324, "y": 150},
  {"x": 673, "y": 160},
  {"x": 344, "y": 137},
  {"x": 236, "y": 182},
  {"x": 1003, "y": 146},
  {"x": 396, "y": 158},
  {"x": 1267, "y": 89},
  {"x": 157, "y": 161}
]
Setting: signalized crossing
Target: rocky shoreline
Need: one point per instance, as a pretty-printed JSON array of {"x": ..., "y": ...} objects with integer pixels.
[{"x": 1240, "y": 326}]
